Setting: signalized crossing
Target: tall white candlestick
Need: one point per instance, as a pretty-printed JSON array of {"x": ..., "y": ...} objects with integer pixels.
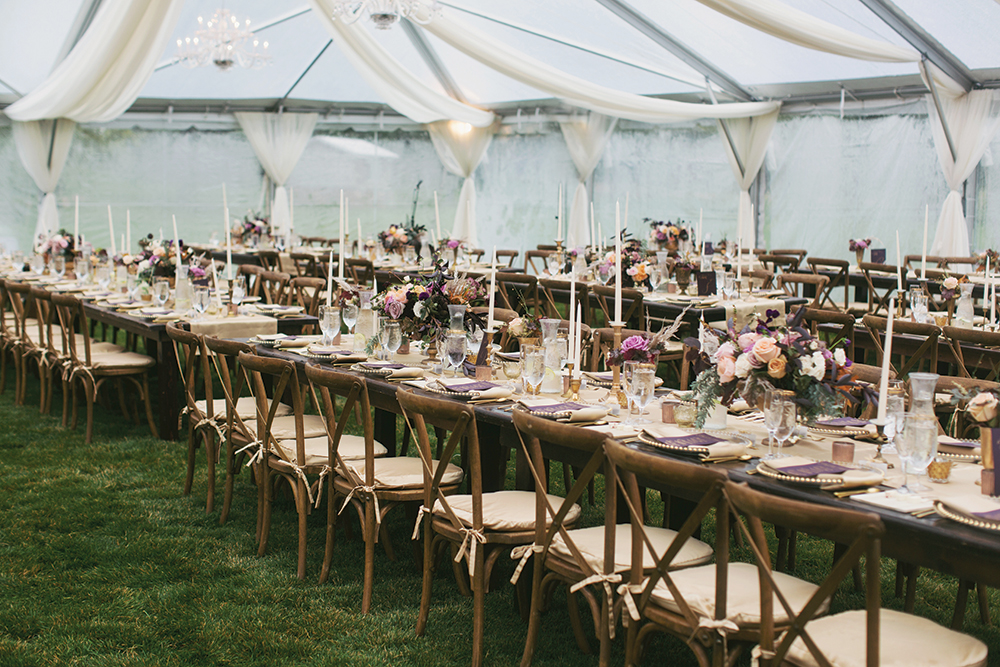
[
  {"x": 225, "y": 204},
  {"x": 618, "y": 263},
  {"x": 883, "y": 385},
  {"x": 128, "y": 231},
  {"x": 437, "y": 214},
  {"x": 347, "y": 218},
  {"x": 468, "y": 217},
  {"x": 161, "y": 234},
  {"x": 991, "y": 295},
  {"x": 177, "y": 241},
  {"x": 215, "y": 284},
  {"x": 360, "y": 244},
  {"x": 739, "y": 225},
  {"x": 593, "y": 231},
  {"x": 340, "y": 262},
  {"x": 576, "y": 357},
  {"x": 923, "y": 253},
  {"x": 559, "y": 225},
  {"x": 899, "y": 266},
  {"x": 76, "y": 224},
  {"x": 600, "y": 237},
  {"x": 111, "y": 232},
  {"x": 123, "y": 246},
  {"x": 701, "y": 213},
  {"x": 625, "y": 226},
  {"x": 572, "y": 310},
  {"x": 291, "y": 211},
  {"x": 229, "y": 250},
  {"x": 739, "y": 258},
  {"x": 329, "y": 280},
  {"x": 493, "y": 289}
]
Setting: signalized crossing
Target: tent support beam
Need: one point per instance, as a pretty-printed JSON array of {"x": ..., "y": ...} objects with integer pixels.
[
  {"x": 434, "y": 62},
  {"x": 647, "y": 27},
  {"x": 318, "y": 56},
  {"x": 922, "y": 41},
  {"x": 725, "y": 130},
  {"x": 940, "y": 110}
]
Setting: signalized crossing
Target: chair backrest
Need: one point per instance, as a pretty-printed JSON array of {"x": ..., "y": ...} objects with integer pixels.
[
  {"x": 510, "y": 254},
  {"x": 72, "y": 319},
  {"x": 879, "y": 301},
  {"x": 633, "y": 308},
  {"x": 281, "y": 375},
  {"x": 790, "y": 252},
  {"x": 913, "y": 262},
  {"x": 832, "y": 326},
  {"x": 977, "y": 352},
  {"x": 305, "y": 264},
  {"x": 780, "y": 263},
  {"x": 274, "y": 287},
  {"x": 307, "y": 292},
  {"x": 354, "y": 390},
  {"x": 960, "y": 264},
  {"x": 476, "y": 253},
  {"x": 603, "y": 341},
  {"x": 913, "y": 342},
  {"x": 46, "y": 314},
  {"x": 225, "y": 358},
  {"x": 8, "y": 328},
  {"x": 22, "y": 305},
  {"x": 195, "y": 353},
  {"x": 269, "y": 259},
  {"x": 840, "y": 269},
  {"x": 556, "y": 292},
  {"x": 518, "y": 292},
  {"x": 861, "y": 532},
  {"x": 792, "y": 283},
  {"x": 529, "y": 260},
  {"x": 253, "y": 274},
  {"x": 361, "y": 271},
  {"x": 765, "y": 277}
]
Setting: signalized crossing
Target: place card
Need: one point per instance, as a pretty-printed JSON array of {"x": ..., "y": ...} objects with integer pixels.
[
  {"x": 706, "y": 283},
  {"x": 878, "y": 255}
]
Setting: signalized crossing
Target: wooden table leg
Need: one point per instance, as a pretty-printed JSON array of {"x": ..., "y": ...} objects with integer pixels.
[
  {"x": 166, "y": 389},
  {"x": 385, "y": 429}
]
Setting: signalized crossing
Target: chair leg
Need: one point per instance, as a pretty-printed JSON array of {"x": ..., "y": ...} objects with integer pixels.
[
  {"x": 66, "y": 397},
  {"x": 574, "y": 619},
  {"x": 961, "y": 600},
  {"x": 265, "y": 526},
  {"x": 370, "y": 532},
  {"x": 91, "y": 395},
  {"x": 331, "y": 528},
  {"x": 149, "y": 406},
  {"x": 478, "y": 608},
  {"x": 982, "y": 592},
  {"x": 227, "y": 494},
  {"x": 302, "y": 509},
  {"x": 192, "y": 449},
  {"x": 535, "y": 615},
  {"x": 428, "y": 580},
  {"x": 209, "y": 440}
]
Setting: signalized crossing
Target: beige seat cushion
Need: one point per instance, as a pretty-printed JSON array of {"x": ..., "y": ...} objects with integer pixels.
[
  {"x": 283, "y": 428},
  {"x": 352, "y": 447},
  {"x": 590, "y": 543},
  {"x": 96, "y": 346},
  {"x": 503, "y": 510},
  {"x": 406, "y": 472},
  {"x": 904, "y": 641},
  {"x": 697, "y": 586},
  {"x": 110, "y": 360},
  {"x": 246, "y": 408}
]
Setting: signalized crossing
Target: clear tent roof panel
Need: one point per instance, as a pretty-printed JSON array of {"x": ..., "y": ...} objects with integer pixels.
[
  {"x": 967, "y": 29},
  {"x": 31, "y": 36},
  {"x": 753, "y": 57}
]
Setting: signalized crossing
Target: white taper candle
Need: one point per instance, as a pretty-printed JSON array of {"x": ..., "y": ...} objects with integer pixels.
[{"x": 883, "y": 385}]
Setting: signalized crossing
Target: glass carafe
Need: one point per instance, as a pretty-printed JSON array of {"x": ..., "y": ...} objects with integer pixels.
[
  {"x": 550, "y": 329},
  {"x": 456, "y": 313},
  {"x": 964, "y": 313},
  {"x": 922, "y": 393},
  {"x": 182, "y": 295}
]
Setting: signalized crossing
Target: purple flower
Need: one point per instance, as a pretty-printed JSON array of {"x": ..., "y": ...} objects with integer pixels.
[
  {"x": 634, "y": 343},
  {"x": 395, "y": 309},
  {"x": 452, "y": 243}
]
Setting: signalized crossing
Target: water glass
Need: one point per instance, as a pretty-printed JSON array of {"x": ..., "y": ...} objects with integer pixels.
[
  {"x": 201, "y": 301},
  {"x": 350, "y": 315},
  {"x": 643, "y": 383},
  {"x": 512, "y": 371},
  {"x": 789, "y": 418},
  {"x": 131, "y": 285},
  {"x": 455, "y": 345},
  {"x": 392, "y": 337},
  {"x": 103, "y": 275},
  {"x": 533, "y": 358},
  {"x": 239, "y": 290},
  {"x": 628, "y": 368},
  {"x": 555, "y": 266},
  {"x": 161, "y": 291},
  {"x": 38, "y": 264},
  {"x": 410, "y": 255},
  {"x": 917, "y": 447},
  {"x": 329, "y": 323},
  {"x": 918, "y": 305},
  {"x": 894, "y": 410},
  {"x": 82, "y": 269},
  {"x": 59, "y": 266}
]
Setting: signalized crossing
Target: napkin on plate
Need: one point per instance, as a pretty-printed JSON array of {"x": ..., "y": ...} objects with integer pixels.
[
  {"x": 894, "y": 500},
  {"x": 676, "y": 437},
  {"x": 980, "y": 506},
  {"x": 840, "y": 476},
  {"x": 578, "y": 412},
  {"x": 949, "y": 445},
  {"x": 482, "y": 390},
  {"x": 398, "y": 370},
  {"x": 297, "y": 341},
  {"x": 842, "y": 422},
  {"x": 338, "y": 353}
]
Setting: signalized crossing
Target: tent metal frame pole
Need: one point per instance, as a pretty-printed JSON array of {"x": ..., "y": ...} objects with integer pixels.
[
  {"x": 433, "y": 61},
  {"x": 306, "y": 71},
  {"x": 725, "y": 130},
  {"x": 650, "y": 29},
  {"x": 940, "y": 110},
  {"x": 922, "y": 41},
  {"x": 52, "y": 141}
]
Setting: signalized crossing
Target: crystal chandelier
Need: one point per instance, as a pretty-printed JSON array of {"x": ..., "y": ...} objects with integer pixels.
[
  {"x": 384, "y": 13},
  {"x": 223, "y": 42}
]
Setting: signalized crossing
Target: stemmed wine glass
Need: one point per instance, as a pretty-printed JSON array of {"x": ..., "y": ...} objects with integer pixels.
[
  {"x": 329, "y": 323},
  {"x": 643, "y": 383},
  {"x": 59, "y": 266},
  {"x": 605, "y": 272},
  {"x": 788, "y": 421},
  {"x": 628, "y": 368},
  {"x": 455, "y": 346},
  {"x": 104, "y": 277},
  {"x": 533, "y": 358},
  {"x": 392, "y": 338},
  {"x": 201, "y": 301},
  {"x": 82, "y": 269},
  {"x": 239, "y": 290},
  {"x": 350, "y": 315},
  {"x": 161, "y": 292},
  {"x": 895, "y": 408},
  {"x": 772, "y": 419}
]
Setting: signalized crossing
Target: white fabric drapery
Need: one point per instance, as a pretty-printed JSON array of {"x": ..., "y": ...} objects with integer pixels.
[
  {"x": 104, "y": 73},
  {"x": 798, "y": 27},
  {"x": 395, "y": 84},
  {"x": 278, "y": 141},
  {"x": 576, "y": 91},
  {"x": 973, "y": 119},
  {"x": 34, "y": 139},
  {"x": 586, "y": 138},
  {"x": 750, "y": 138},
  {"x": 461, "y": 148}
]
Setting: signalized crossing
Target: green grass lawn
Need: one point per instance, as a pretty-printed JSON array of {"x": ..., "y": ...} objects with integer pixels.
[{"x": 104, "y": 562}]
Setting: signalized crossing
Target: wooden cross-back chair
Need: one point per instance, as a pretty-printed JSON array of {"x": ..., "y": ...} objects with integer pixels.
[
  {"x": 274, "y": 287},
  {"x": 780, "y": 263},
  {"x": 305, "y": 264},
  {"x": 840, "y": 280},
  {"x": 765, "y": 277},
  {"x": 511, "y": 256},
  {"x": 478, "y": 526},
  {"x": 913, "y": 342},
  {"x": 518, "y": 292},
  {"x": 879, "y": 302},
  {"x": 309, "y": 293},
  {"x": 555, "y": 293},
  {"x": 361, "y": 271},
  {"x": 25, "y": 346},
  {"x": 794, "y": 283},
  {"x": 913, "y": 262},
  {"x": 92, "y": 366},
  {"x": 832, "y": 326},
  {"x": 9, "y": 339},
  {"x": 603, "y": 341},
  {"x": 529, "y": 260},
  {"x": 269, "y": 259},
  {"x": 690, "y": 602},
  {"x": 960, "y": 264},
  {"x": 977, "y": 352},
  {"x": 798, "y": 253},
  {"x": 857, "y": 637},
  {"x": 253, "y": 274},
  {"x": 47, "y": 355},
  {"x": 633, "y": 306}
]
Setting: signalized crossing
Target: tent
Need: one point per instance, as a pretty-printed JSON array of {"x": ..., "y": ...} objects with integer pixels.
[{"x": 574, "y": 91}]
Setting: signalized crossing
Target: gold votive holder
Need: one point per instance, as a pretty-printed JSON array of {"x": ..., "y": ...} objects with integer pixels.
[{"x": 939, "y": 470}]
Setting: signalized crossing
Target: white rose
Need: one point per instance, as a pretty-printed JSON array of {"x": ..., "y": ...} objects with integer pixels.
[
  {"x": 743, "y": 366},
  {"x": 817, "y": 368},
  {"x": 840, "y": 356},
  {"x": 418, "y": 310},
  {"x": 951, "y": 282}
]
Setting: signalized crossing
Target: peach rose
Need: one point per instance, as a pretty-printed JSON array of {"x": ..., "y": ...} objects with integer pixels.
[
  {"x": 727, "y": 369},
  {"x": 765, "y": 349},
  {"x": 776, "y": 367},
  {"x": 748, "y": 339},
  {"x": 983, "y": 408}
]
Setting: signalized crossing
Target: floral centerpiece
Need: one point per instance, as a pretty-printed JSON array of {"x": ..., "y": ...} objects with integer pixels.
[
  {"x": 60, "y": 243},
  {"x": 421, "y": 305},
  {"x": 644, "y": 349},
  {"x": 666, "y": 235},
  {"x": 634, "y": 266},
  {"x": 252, "y": 225},
  {"x": 858, "y": 247},
  {"x": 158, "y": 258},
  {"x": 761, "y": 356},
  {"x": 525, "y": 326},
  {"x": 398, "y": 237},
  {"x": 981, "y": 258}
]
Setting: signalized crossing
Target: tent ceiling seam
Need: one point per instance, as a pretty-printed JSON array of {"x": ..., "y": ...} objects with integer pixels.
[
  {"x": 922, "y": 41},
  {"x": 653, "y": 31},
  {"x": 433, "y": 61}
]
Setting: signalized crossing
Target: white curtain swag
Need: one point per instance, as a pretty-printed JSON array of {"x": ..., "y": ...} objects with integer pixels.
[
  {"x": 33, "y": 140},
  {"x": 104, "y": 73},
  {"x": 586, "y": 137},
  {"x": 278, "y": 141},
  {"x": 461, "y": 147},
  {"x": 751, "y": 137}
]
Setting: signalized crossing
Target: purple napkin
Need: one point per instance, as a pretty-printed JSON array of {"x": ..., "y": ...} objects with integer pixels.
[
  {"x": 378, "y": 367},
  {"x": 814, "y": 469},
  {"x": 471, "y": 386},
  {"x": 557, "y": 407},
  {"x": 693, "y": 440},
  {"x": 843, "y": 422},
  {"x": 993, "y": 515},
  {"x": 964, "y": 444}
]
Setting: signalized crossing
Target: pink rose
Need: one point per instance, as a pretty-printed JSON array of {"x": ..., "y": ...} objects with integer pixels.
[
  {"x": 727, "y": 350},
  {"x": 765, "y": 349},
  {"x": 727, "y": 369},
  {"x": 747, "y": 340}
]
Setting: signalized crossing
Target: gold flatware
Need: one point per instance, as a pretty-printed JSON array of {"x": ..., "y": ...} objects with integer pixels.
[{"x": 855, "y": 492}]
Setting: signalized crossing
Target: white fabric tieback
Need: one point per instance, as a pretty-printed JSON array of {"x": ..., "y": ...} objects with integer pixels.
[
  {"x": 522, "y": 554},
  {"x": 606, "y": 580},
  {"x": 416, "y": 526},
  {"x": 626, "y": 591},
  {"x": 370, "y": 490},
  {"x": 323, "y": 472},
  {"x": 475, "y": 538},
  {"x": 257, "y": 456},
  {"x": 757, "y": 653},
  {"x": 723, "y": 626}
]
